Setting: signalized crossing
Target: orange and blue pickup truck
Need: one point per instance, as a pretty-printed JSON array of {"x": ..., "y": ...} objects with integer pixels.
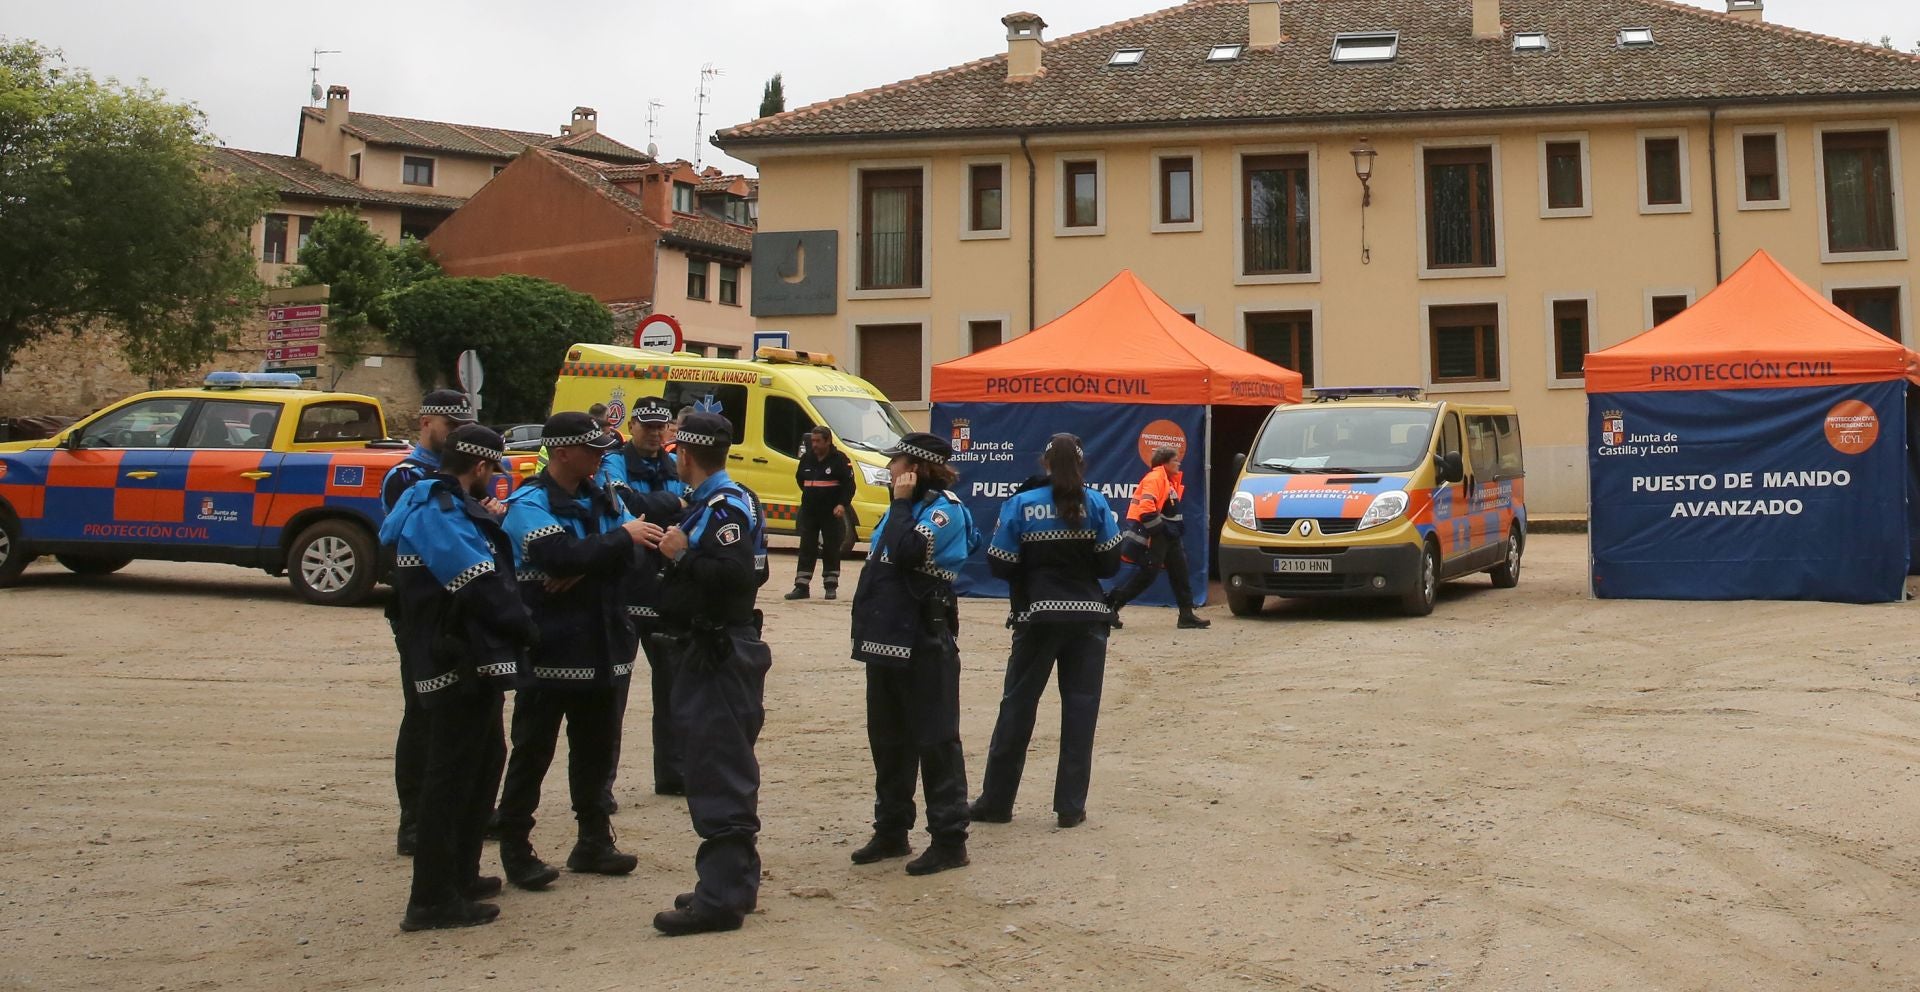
[{"x": 247, "y": 470}]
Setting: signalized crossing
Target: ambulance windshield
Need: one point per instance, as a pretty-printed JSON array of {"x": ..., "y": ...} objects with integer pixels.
[
  {"x": 1333, "y": 439},
  {"x": 862, "y": 421}
]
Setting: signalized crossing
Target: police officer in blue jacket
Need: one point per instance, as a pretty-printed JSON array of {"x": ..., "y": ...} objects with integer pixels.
[
  {"x": 573, "y": 549},
  {"x": 716, "y": 566},
  {"x": 904, "y": 622},
  {"x": 1053, "y": 545},
  {"x": 441, "y": 411},
  {"x": 463, "y": 632},
  {"x": 646, "y": 477}
]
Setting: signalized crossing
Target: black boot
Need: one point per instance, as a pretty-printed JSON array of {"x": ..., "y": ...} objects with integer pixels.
[
  {"x": 523, "y": 867},
  {"x": 1190, "y": 620},
  {"x": 595, "y": 854},
  {"x": 406, "y": 840},
  {"x": 979, "y": 812},
  {"x": 882, "y": 847},
  {"x": 449, "y": 915},
  {"x": 832, "y": 585},
  {"x": 482, "y": 887},
  {"x": 799, "y": 591},
  {"x": 683, "y": 901},
  {"x": 685, "y": 922},
  {"x": 940, "y": 857}
]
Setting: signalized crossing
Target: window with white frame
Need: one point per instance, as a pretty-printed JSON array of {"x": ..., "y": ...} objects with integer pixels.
[
  {"x": 1570, "y": 336},
  {"x": 1081, "y": 206},
  {"x": 1859, "y": 188},
  {"x": 1462, "y": 208},
  {"x": 1566, "y": 180},
  {"x": 1176, "y": 191},
  {"x": 890, "y": 229},
  {"x": 986, "y": 198},
  {"x": 1762, "y": 163},
  {"x": 1665, "y": 185},
  {"x": 1464, "y": 344}
]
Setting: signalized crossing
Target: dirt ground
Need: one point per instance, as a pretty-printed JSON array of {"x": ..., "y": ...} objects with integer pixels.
[{"x": 1530, "y": 790}]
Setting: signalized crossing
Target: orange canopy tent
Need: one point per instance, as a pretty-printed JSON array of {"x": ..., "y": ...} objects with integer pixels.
[{"x": 1123, "y": 344}]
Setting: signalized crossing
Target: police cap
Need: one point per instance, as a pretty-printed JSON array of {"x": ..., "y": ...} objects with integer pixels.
[
  {"x": 572, "y": 428},
  {"x": 483, "y": 443},
  {"x": 704, "y": 430},
  {"x": 449, "y": 403},
  {"x": 651, "y": 411},
  {"x": 925, "y": 447}
]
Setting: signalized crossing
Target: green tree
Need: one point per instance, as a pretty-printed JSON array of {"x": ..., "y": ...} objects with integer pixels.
[
  {"x": 112, "y": 216},
  {"x": 520, "y": 326},
  {"x": 773, "y": 99},
  {"x": 359, "y": 268}
]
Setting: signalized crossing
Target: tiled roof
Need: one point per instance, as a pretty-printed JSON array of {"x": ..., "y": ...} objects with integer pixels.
[
  {"x": 687, "y": 230},
  {"x": 297, "y": 177},
  {"x": 594, "y": 174},
  {"x": 1698, "y": 56},
  {"x": 718, "y": 184},
  {"x": 471, "y": 139},
  {"x": 706, "y": 232}
]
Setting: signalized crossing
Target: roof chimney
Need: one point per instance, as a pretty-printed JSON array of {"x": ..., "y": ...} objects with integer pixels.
[
  {"x": 1747, "y": 10},
  {"x": 1263, "y": 23},
  {"x": 1486, "y": 20},
  {"x": 585, "y": 121},
  {"x": 336, "y": 105},
  {"x": 1024, "y": 37}
]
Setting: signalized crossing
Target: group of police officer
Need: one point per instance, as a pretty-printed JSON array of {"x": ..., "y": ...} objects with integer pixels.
[{"x": 617, "y": 549}]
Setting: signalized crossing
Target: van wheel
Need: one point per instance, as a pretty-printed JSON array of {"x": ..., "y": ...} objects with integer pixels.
[
  {"x": 1245, "y": 604},
  {"x": 13, "y": 554},
  {"x": 849, "y": 528},
  {"x": 1506, "y": 575},
  {"x": 89, "y": 565},
  {"x": 1418, "y": 601},
  {"x": 332, "y": 563}
]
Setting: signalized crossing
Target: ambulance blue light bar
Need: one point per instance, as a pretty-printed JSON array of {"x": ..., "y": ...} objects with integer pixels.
[
  {"x": 252, "y": 380},
  {"x": 1324, "y": 393}
]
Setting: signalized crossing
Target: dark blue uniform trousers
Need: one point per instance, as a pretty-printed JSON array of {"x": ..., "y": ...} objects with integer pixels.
[
  {"x": 591, "y": 723},
  {"x": 1080, "y": 650},
  {"x": 666, "y": 751},
  {"x": 461, "y": 765},
  {"x": 718, "y": 711},
  {"x": 913, "y": 730}
]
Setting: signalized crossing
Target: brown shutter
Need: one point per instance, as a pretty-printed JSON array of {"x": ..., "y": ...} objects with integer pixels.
[{"x": 890, "y": 359}]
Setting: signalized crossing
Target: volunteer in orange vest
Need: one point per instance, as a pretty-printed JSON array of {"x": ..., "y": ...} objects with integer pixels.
[{"x": 1153, "y": 539}]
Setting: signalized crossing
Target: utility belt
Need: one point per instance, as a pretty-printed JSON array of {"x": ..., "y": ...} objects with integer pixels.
[{"x": 707, "y": 642}]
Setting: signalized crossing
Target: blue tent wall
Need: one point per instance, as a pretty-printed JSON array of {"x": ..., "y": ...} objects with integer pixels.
[
  {"x": 1687, "y": 452},
  {"x": 1002, "y": 445}
]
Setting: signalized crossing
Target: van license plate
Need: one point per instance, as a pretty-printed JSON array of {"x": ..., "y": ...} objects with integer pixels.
[{"x": 1312, "y": 565}]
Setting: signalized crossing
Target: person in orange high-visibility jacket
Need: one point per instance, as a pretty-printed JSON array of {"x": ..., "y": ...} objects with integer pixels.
[{"x": 1153, "y": 540}]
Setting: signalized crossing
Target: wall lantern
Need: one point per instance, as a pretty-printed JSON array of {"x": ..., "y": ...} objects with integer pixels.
[{"x": 1363, "y": 155}]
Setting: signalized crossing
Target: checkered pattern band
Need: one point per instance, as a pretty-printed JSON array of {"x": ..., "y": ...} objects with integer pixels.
[
  {"x": 643, "y": 611},
  {"x": 1112, "y": 542},
  {"x": 590, "y": 437},
  {"x": 536, "y": 534},
  {"x": 499, "y": 668},
  {"x": 1003, "y": 555},
  {"x": 921, "y": 453},
  {"x": 425, "y": 686},
  {"x": 472, "y": 572},
  {"x": 564, "y": 674},
  {"x": 886, "y": 650},
  {"x": 623, "y": 669},
  {"x": 1059, "y": 535},
  {"x": 479, "y": 451},
  {"x": 407, "y": 561},
  {"x": 446, "y": 411},
  {"x": 697, "y": 440},
  {"x": 530, "y": 575},
  {"x": 938, "y": 572},
  {"x": 1064, "y": 606}
]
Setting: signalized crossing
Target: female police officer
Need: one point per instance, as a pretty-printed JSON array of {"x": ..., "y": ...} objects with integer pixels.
[
  {"x": 904, "y": 621},
  {"x": 1053, "y": 545}
]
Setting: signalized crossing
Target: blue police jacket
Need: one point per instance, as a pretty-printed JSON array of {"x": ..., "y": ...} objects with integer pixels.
[
  {"x": 419, "y": 464},
  {"x": 1053, "y": 566},
  {"x": 714, "y": 582},
  {"x": 918, "y": 548},
  {"x": 586, "y": 638}
]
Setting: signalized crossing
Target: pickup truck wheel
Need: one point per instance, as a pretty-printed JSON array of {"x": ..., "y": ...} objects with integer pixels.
[
  {"x": 90, "y": 565},
  {"x": 13, "y": 554},
  {"x": 332, "y": 563}
]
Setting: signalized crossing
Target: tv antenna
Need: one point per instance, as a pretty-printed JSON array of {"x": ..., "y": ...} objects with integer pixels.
[
  {"x": 707, "y": 72},
  {"x": 315, "y": 93},
  {"x": 653, "y": 124}
]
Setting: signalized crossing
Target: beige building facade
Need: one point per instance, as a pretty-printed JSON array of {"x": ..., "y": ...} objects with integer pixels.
[{"x": 1488, "y": 249}]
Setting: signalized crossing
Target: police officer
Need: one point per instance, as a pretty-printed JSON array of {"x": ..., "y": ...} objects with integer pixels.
[
  {"x": 826, "y": 488},
  {"x": 463, "y": 631},
  {"x": 720, "y": 676},
  {"x": 647, "y": 479},
  {"x": 904, "y": 622},
  {"x": 573, "y": 549},
  {"x": 1053, "y": 545},
  {"x": 1155, "y": 525},
  {"x": 441, "y": 411}
]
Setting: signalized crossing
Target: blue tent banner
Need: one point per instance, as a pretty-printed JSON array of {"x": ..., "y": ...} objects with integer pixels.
[
  {"x": 997, "y": 447},
  {"x": 1791, "y": 493}
]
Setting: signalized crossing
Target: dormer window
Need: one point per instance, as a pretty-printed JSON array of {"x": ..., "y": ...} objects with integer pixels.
[
  {"x": 1225, "y": 53},
  {"x": 1636, "y": 37},
  {"x": 1127, "y": 56},
  {"x": 1372, "y": 46},
  {"x": 1530, "y": 41}
]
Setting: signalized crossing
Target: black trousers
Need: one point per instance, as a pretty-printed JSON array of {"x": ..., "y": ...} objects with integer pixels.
[
  {"x": 820, "y": 537},
  {"x": 1080, "y": 651},
  {"x": 591, "y": 716},
  {"x": 718, "y": 710},
  {"x": 409, "y": 749},
  {"x": 913, "y": 730},
  {"x": 456, "y": 794},
  {"x": 1163, "y": 553},
  {"x": 666, "y": 752}
]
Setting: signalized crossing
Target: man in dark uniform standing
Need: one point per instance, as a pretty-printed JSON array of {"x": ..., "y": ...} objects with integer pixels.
[
  {"x": 826, "y": 488},
  {"x": 464, "y": 631},
  {"x": 441, "y": 411},
  {"x": 720, "y": 677},
  {"x": 573, "y": 551}
]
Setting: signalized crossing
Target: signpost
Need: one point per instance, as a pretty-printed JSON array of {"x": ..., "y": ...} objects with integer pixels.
[
  {"x": 472, "y": 376},
  {"x": 293, "y": 352},
  {"x": 770, "y": 339},
  {"x": 280, "y": 315},
  {"x": 296, "y": 332},
  {"x": 659, "y": 332}
]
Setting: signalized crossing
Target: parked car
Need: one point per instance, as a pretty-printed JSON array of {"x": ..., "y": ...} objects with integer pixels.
[{"x": 520, "y": 437}]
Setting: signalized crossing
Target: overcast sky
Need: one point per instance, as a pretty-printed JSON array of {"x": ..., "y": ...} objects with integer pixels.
[{"x": 509, "y": 63}]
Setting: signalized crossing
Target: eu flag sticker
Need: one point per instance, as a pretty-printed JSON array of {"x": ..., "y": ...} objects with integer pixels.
[{"x": 349, "y": 476}]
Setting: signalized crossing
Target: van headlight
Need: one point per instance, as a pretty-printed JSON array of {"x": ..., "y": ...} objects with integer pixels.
[
  {"x": 1240, "y": 510},
  {"x": 1385, "y": 509},
  {"x": 874, "y": 475}
]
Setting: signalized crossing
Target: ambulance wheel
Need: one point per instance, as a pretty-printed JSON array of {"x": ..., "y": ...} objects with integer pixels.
[
  {"x": 13, "y": 554},
  {"x": 89, "y": 565},
  {"x": 1245, "y": 604},
  {"x": 849, "y": 532},
  {"x": 1506, "y": 575},
  {"x": 332, "y": 563},
  {"x": 1418, "y": 601}
]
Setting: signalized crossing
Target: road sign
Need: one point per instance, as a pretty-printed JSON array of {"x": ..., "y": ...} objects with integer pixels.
[
  {"x": 472, "y": 376},
  {"x": 659, "y": 332},
  {"x": 770, "y": 339},
  {"x": 277, "y": 315},
  {"x": 303, "y": 371},
  {"x": 293, "y": 353},
  {"x": 296, "y": 332}
]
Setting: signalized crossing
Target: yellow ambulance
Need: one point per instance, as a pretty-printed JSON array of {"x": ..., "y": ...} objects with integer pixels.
[{"x": 772, "y": 400}]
